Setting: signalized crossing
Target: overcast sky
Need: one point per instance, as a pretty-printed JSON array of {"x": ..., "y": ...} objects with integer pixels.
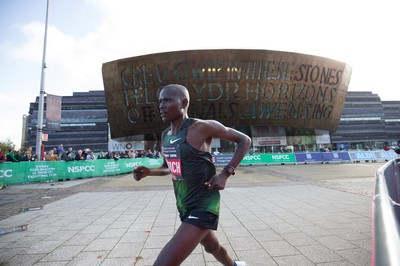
[{"x": 84, "y": 34}]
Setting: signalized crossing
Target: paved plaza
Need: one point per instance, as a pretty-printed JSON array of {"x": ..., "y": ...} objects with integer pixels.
[{"x": 270, "y": 215}]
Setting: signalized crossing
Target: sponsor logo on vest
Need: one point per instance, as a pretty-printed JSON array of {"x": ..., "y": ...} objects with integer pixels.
[{"x": 173, "y": 141}]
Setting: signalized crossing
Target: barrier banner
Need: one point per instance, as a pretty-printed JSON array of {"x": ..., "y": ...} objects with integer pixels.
[
  {"x": 336, "y": 156},
  {"x": 380, "y": 155},
  {"x": 222, "y": 159},
  {"x": 309, "y": 157},
  {"x": 266, "y": 158},
  {"x": 362, "y": 155},
  {"x": 385, "y": 155},
  {"x": 25, "y": 172},
  {"x": 259, "y": 158}
]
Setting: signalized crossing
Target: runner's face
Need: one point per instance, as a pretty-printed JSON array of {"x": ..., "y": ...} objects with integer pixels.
[{"x": 170, "y": 105}]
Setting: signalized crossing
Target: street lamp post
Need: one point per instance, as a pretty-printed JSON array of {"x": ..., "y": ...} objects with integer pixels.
[{"x": 41, "y": 94}]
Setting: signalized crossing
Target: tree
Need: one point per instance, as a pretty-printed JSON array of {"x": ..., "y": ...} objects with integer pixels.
[{"x": 5, "y": 145}]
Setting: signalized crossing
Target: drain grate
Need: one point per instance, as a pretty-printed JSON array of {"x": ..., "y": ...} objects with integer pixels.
[
  {"x": 32, "y": 209},
  {"x": 20, "y": 228},
  {"x": 47, "y": 197}
]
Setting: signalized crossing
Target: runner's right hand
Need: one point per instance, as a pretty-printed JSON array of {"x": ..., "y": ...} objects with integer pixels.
[{"x": 139, "y": 172}]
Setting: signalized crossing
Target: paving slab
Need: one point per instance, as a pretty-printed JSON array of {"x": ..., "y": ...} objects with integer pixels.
[{"x": 280, "y": 215}]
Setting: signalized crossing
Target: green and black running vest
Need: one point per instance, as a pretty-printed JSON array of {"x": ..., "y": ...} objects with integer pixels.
[{"x": 190, "y": 168}]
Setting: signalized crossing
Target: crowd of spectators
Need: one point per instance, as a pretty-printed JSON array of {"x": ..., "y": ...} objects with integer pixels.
[
  {"x": 59, "y": 154},
  {"x": 15, "y": 156}
]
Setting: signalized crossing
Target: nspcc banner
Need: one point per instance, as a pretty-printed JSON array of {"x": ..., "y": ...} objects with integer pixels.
[
  {"x": 25, "y": 172},
  {"x": 273, "y": 158}
]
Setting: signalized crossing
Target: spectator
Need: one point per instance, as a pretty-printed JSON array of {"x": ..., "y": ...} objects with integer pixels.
[
  {"x": 123, "y": 155},
  {"x": 215, "y": 152},
  {"x": 60, "y": 151},
  {"x": 69, "y": 155},
  {"x": 18, "y": 155},
  {"x": 55, "y": 151},
  {"x": 91, "y": 156},
  {"x": 149, "y": 154},
  {"x": 115, "y": 156},
  {"x": 50, "y": 156},
  {"x": 157, "y": 155},
  {"x": 85, "y": 152},
  {"x": 10, "y": 156},
  {"x": 27, "y": 157},
  {"x": 2, "y": 157},
  {"x": 386, "y": 147},
  {"x": 140, "y": 154},
  {"x": 101, "y": 155},
  {"x": 110, "y": 155},
  {"x": 80, "y": 156}
]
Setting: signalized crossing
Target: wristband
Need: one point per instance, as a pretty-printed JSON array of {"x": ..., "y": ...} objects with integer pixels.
[{"x": 229, "y": 169}]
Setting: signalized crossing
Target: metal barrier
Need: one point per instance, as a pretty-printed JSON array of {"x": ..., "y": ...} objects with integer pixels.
[
  {"x": 26, "y": 172},
  {"x": 386, "y": 216}
]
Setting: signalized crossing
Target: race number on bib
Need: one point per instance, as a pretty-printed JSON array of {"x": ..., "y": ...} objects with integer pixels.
[{"x": 172, "y": 157}]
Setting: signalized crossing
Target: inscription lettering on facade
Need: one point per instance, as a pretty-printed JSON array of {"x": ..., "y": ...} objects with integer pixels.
[{"x": 236, "y": 87}]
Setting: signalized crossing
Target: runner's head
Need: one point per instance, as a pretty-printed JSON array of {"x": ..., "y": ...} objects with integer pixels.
[{"x": 173, "y": 102}]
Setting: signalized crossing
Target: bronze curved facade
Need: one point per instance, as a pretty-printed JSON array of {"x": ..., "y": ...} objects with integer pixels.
[{"x": 235, "y": 87}]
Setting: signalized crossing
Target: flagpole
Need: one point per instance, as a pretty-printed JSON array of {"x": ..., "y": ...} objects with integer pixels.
[{"x": 39, "y": 132}]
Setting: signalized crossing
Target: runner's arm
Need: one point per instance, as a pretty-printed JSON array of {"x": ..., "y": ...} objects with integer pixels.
[{"x": 142, "y": 171}]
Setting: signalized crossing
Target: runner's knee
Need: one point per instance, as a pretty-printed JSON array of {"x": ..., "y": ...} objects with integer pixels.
[{"x": 212, "y": 248}]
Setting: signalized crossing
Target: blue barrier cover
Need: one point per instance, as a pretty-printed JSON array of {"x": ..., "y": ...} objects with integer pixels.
[
  {"x": 309, "y": 157},
  {"x": 336, "y": 156}
]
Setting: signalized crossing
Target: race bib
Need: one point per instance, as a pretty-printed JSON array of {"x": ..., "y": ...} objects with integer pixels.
[{"x": 172, "y": 157}]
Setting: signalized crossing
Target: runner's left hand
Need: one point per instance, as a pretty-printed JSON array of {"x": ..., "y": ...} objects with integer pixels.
[{"x": 217, "y": 182}]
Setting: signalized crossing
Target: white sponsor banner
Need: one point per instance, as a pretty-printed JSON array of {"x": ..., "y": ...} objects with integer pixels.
[
  {"x": 269, "y": 141},
  {"x": 216, "y": 143},
  {"x": 322, "y": 136},
  {"x": 115, "y": 145}
]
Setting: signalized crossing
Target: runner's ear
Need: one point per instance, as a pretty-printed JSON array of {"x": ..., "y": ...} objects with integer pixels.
[{"x": 185, "y": 103}]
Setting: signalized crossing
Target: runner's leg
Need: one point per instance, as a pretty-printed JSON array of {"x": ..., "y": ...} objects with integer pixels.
[
  {"x": 181, "y": 245},
  {"x": 212, "y": 246}
]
